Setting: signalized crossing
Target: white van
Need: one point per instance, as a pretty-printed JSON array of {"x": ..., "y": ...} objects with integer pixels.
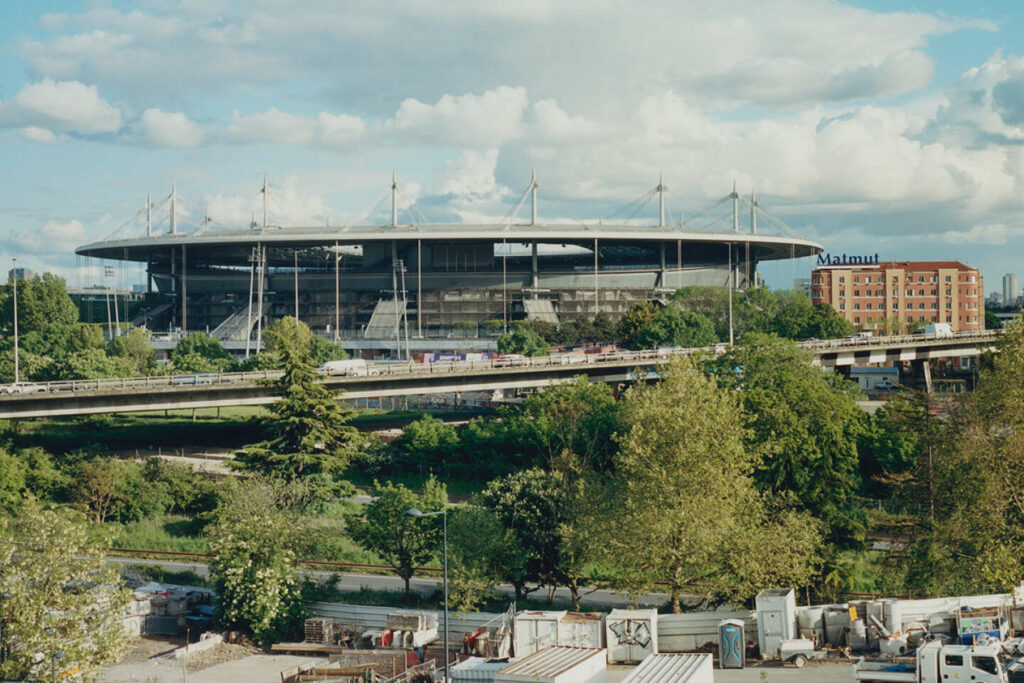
[{"x": 356, "y": 367}]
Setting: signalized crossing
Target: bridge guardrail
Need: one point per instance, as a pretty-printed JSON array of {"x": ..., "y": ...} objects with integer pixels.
[{"x": 418, "y": 369}]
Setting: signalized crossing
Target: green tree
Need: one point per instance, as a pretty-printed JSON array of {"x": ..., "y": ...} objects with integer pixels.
[
  {"x": 478, "y": 546},
  {"x": 796, "y": 316},
  {"x": 403, "y": 541},
  {"x": 828, "y": 324},
  {"x": 306, "y": 430},
  {"x": 199, "y": 352},
  {"x": 672, "y": 326},
  {"x": 991, "y": 321},
  {"x": 109, "y": 489},
  {"x": 47, "y": 318},
  {"x": 86, "y": 336},
  {"x": 524, "y": 340},
  {"x": 684, "y": 509},
  {"x": 578, "y": 417},
  {"x": 252, "y": 542},
  {"x": 426, "y": 444},
  {"x": 136, "y": 349},
  {"x": 59, "y": 596},
  {"x": 805, "y": 422},
  {"x": 637, "y": 318},
  {"x": 528, "y": 504},
  {"x": 89, "y": 364},
  {"x": 287, "y": 332}
]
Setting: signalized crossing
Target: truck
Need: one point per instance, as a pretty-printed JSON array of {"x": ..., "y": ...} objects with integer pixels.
[
  {"x": 938, "y": 663},
  {"x": 938, "y": 330},
  {"x": 346, "y": 368}
]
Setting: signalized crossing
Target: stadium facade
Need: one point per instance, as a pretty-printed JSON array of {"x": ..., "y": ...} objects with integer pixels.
[{"x": 432, "y": 282}]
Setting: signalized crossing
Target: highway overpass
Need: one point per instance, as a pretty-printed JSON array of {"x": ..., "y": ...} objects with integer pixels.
[{"x": 87, "y": 397}]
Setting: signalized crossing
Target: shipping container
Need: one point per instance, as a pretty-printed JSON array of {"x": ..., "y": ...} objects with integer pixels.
[
  {"x": 557, "y": 665},
  {"x": 673, "y": 668},
  {"x": 581, "y": 629},
  {"x": 535, "y": 631},
  {"x": 631, "y": 635}
]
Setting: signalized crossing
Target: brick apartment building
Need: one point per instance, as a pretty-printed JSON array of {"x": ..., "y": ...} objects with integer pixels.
[{"x": 907, "y": 291}]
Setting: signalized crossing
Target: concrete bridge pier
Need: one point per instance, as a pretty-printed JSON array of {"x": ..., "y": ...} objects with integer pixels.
[{"x": 921, "y": 371}]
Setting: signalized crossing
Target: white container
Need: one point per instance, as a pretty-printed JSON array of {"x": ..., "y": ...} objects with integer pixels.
[
  {"x": 557, "y": 665},
  {"x": 776, "y": 619},
  {"x": 678, "y": 668},
  {"x": 476, "y": 670},
  {"x": 631, "y": 635},
  {"x": 581, "y": 629},
  {"x": 535, "y": 631},
  {"x": 812, "y": 623}
]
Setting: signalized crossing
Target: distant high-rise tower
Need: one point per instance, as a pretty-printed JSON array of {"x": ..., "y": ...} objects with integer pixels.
[{"x": 1010, "y": 290}]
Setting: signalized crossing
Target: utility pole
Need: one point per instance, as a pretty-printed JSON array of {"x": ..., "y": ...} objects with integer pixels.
[
  {"x": 266, "y": 193},
  {"x": 337, "y": 294},
  {"x": 15, "y": 283},
  {"x": 248, "y": 317},
  {"x": 394, "y": 199}
]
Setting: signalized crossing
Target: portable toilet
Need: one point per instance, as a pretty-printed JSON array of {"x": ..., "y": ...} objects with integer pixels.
[
  {"x": 631, "y": 635},
  {"x": 776, "y": 619},
  {"x": 732, "y": 644}
]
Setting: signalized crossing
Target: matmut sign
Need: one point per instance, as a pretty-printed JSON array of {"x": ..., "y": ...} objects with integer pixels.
[{"x": 844, "y": 260}]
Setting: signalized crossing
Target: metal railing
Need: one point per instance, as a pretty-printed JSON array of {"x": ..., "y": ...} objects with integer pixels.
[{"x": 506, "y": 363}]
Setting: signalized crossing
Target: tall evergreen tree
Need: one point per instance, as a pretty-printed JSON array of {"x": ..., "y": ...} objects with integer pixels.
[{"x": 307, "y": 430}]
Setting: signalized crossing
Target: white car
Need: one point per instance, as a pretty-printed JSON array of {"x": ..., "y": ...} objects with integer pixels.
[{"x": 23, "y": 388}]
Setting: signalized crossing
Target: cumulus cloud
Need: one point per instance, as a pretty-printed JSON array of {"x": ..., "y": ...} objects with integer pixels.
[
  {"x": 37, "y": 134},
  {"x": 339, "y": 130},
  {"x": 470, "y": 120},
  {"x": 992, "y": 234},
  {"x": 68, "y": 106},
  {"x": 289, "y": 205},
  {"x": 52, "y": 237},
  {"x": 170, "y": 129},
  {"x": 272, "y": 126}
]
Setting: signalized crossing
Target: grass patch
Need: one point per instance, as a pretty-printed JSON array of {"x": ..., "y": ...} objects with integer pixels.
[
  {"x": 144, "y": 573},
  {"x": 176, "y": 533}
]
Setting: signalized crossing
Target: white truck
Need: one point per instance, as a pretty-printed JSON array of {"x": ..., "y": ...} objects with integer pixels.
[
  {"x": 938, "y": 330},
  {"x": 356, "y": 367},
  {"x": 938, "y": 663}
]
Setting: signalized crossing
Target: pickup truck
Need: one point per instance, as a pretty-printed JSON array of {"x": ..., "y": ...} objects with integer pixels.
[{"x": 938, "y": 663}]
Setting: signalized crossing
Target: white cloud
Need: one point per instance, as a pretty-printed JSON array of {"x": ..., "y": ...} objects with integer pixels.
[
  {"x": 339, "y": 130},
  {"x": 52, "y": 237},
  {"x": 272, "y": 126},
  {"x": 471, "y": 174},
  {"x": 993, "y": 234},
  {"x": 289, "y": 205},
  {"x": 37, "y": 134},
  {"x": 170, "y": 129},
  {"x": 469, "y": 120},
  {"x": 67, "y": 106}
]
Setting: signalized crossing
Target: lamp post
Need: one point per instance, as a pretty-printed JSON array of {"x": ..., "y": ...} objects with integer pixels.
[
  {"x": 14, "y": 277},
  {"x": 444, "y": 519},
  {"x": 53, "y": 665}
]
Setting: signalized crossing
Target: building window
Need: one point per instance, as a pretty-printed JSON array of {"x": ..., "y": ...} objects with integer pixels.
[
  {"x": 921, "y": 306},
  {"x": 842, "y": 280},
  {"x": 895, "y": 305},
  {"x": 869, "y": 306},
  {"x": 934, "y": 319},
  {"x": 856, "y": 292},
  {"x": 856, "y": 280},
  {"x": 856, "y": 307},
  {"x": 857, "y": 319},
  {"x": 935, "y": 292},
  {"x": 949, "y": 292},
  {"x": 949, "y": 278}
]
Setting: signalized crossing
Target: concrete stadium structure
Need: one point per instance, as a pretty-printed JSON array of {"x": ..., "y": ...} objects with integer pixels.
[{"x": 425, "y": 282}]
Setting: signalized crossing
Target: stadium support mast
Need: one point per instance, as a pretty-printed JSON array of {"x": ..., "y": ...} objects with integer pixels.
[
  {"x": 661, "y": 202},
  {"x": 394, "y": 199},
  {"x": 174, "y": 213},
  {"x": 149, "y": 216},
  {"x": 753, "y": 214},
  {"x": 533, "y": 198},
  {"x": 266, "y": 198},
  {"x": 735, "y": 208}
]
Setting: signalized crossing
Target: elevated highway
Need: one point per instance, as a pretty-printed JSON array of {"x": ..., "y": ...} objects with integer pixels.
[{"x": 87, "y": 397}]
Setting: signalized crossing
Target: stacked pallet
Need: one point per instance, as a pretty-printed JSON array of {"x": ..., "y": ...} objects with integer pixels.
[{"x": 319, "y": 631}]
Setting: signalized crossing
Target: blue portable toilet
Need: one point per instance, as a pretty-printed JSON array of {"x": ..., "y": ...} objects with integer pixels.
[{"x": 732, "y": 644}]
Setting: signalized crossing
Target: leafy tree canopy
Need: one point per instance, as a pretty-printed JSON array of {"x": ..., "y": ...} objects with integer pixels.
[
  {"x": 199, "y": 352},
  {"x": 403, "y": 541},
  {"x": 136, "y": 349},
  {"x": 524, "y": 340},
  {"x": 59, "y": 595},
  {"x": 684, "y": 509},
  {"x": 47, "y": 318}
]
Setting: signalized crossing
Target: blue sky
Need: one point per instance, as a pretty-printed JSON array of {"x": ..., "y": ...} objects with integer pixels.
[{"x": 890, "y": 127}]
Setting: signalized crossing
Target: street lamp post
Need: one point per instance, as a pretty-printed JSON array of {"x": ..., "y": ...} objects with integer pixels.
[
  {"x": 15, "y": 283},
  {"x": 444, "y": 521},
  {"x": 53, "y": 665}
]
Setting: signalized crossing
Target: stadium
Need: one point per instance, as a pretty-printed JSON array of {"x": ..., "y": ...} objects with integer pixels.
[{"x": 436, "y": 286}]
